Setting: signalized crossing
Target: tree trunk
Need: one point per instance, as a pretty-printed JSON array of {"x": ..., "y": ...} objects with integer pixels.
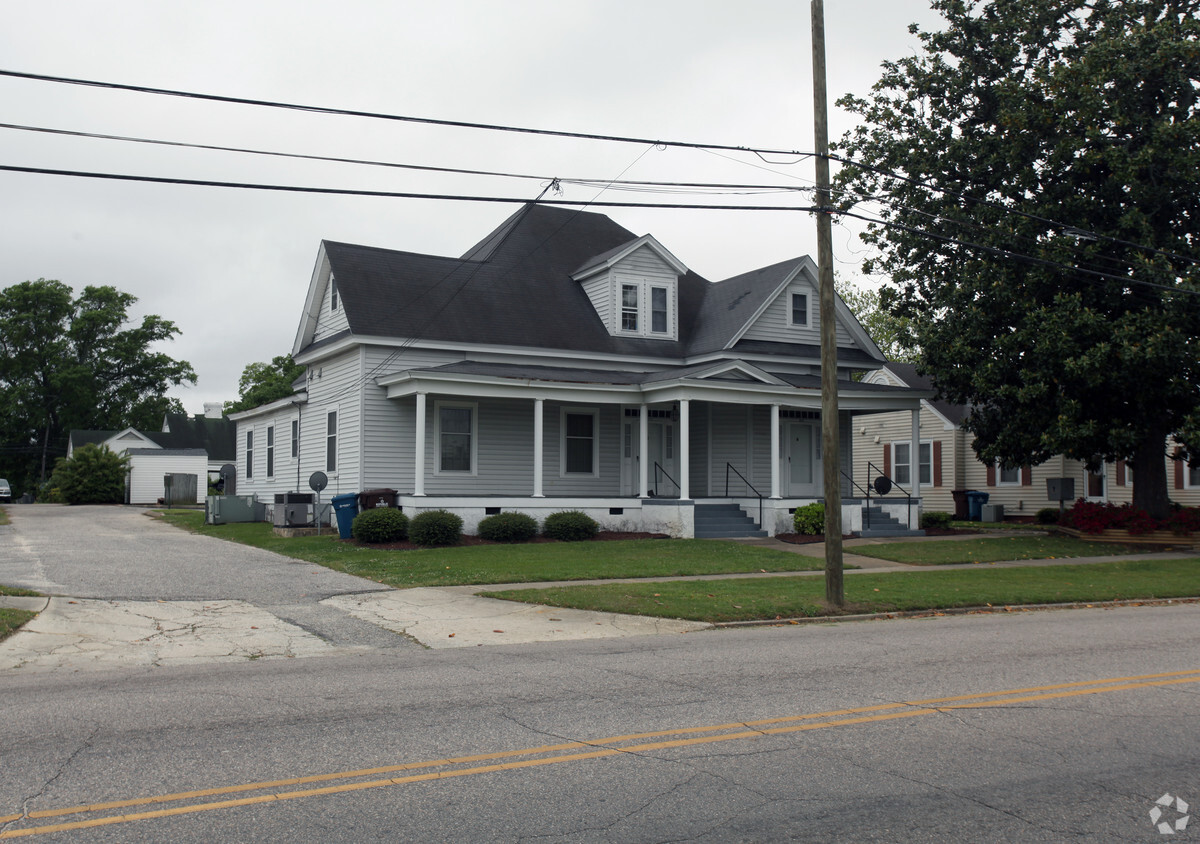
[{"x": 1150, "y": 475}]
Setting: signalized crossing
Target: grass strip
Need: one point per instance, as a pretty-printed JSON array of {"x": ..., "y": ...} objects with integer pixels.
[
  {"x": 13, "y": 591},
  {"x": 11, "y": 620},
  {"x": 523, "y": 563},
  {"x": 796, "y": 597},
  {"x": 955, "y": 551}
]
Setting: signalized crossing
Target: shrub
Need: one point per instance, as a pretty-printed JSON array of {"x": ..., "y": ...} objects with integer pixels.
[
  {"x": 936, "y": 520},
  {"x": 380, "y": 524},
  {"x": 570, "y": 526},
  {"x": 1184, "y": 521},
  {"x": 1094, "y": 517},
  {"x": 435, "y": 527},
  {"x": 508, "y": 527},
  {"x": 1047, "y": 516},
  {"x": 810, "y": 519},
  {"x": 93, "y": 475}
]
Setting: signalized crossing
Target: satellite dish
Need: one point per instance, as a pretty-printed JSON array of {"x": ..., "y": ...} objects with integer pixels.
[
  {"x": 318, "y": 481},
  {"x": 883, "y": 485},
  {"x": 228, "y": 482}
]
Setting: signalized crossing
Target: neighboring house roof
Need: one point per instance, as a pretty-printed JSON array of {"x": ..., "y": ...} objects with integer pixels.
[
  {"x": 519, "y": 287},
  {"x": 907, "y": 374},
  {"x": 218, "y": 437}
]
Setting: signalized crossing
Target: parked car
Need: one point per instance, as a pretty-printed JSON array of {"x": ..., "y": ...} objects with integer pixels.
[{"x": 5, "y": 492}]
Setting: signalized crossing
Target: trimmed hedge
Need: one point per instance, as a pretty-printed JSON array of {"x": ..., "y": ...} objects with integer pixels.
[
  {"x": 935, "y": 520},
  {"x": 380, "y": 524},
  {"x": 570, "y": 526},
  {"x": 435, "y": 527},
  {"x": 508, "y": 527},
  {"x": 810, "y": 519}
]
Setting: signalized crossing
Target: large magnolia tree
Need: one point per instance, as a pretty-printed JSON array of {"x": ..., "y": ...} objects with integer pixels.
[{"x": 1037, "y": 165}]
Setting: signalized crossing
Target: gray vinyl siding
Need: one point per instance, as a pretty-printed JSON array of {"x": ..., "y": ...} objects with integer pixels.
[
  {"x": 731, "y": 444},
  {"x": 389, "y": 425},
  {"x": 608, "y": 480},
  {"x": 329, "y": 321},
  {"x": 760, "y": 444},
  {"x": 337, "y": 386},
  {"x": 600, "y": 291},
  {"x": 775, "y": 323},
  {"x": 698, "y": 450},
  {"x": 643, "y": 264},
  {"x": 285, "y": 478}
]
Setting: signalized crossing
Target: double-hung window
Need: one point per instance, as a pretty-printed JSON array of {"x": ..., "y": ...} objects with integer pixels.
[
  {"x": 630, "y": 310},
  {"x": 580, "y": 442},
  {"x": 249, "y": 455},
  {"x": 333, "y": 293},
  {"x": 1191, "y": 477},
  {"x": 270, "y": 451},
  {"x": 295, "y": 439},
  {"x": 902, "y": 463},
  {"x": 455, "y": 436},
  {"x": 331, "y": 438},
  {"x": 1007, "y": 477},
  {"x": 800, "y": 309},
  {"x": 647, "y": 308}
]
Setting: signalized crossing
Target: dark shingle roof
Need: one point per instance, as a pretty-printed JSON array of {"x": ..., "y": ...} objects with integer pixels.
[
  {"x": 907, "y": 372},
  {"x": 729, "y": 304},
  {"x": 216, "y": 436}
]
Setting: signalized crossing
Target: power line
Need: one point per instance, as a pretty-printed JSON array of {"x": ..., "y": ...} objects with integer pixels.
[
  {"x": 164, "y": 180},
  {"x": 459, "y": 124}
]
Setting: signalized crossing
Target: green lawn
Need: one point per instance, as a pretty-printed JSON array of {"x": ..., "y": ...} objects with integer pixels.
[
  {"x": 527, "y": 563},
  {"x": 745, "y": 599},
  {"x": 989, "y": 550},
  {"x": 11, "y": 620}
]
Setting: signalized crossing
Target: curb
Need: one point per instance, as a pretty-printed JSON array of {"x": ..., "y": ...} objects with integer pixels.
[
  {"x": 35, "y": 603},
  {"x": 933, "y": 613}
]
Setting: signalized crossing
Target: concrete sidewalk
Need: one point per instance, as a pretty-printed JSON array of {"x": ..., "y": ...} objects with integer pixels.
[{"x": 86, "y": 634}]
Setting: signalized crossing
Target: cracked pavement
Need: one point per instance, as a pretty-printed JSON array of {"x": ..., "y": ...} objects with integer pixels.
[{"x": 130, "y": 591}]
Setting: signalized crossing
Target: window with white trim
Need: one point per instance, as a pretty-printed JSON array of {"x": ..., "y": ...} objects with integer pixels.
[
  {"x": 249, "y": 455},
  {"x": 902, "y": 462},
  {"x": 800, "y": 309},
  {"x": 1007, "y": 477},
  {"x": 647, "y": 308},
  {"x": 331, "y": 440},
  {"x": 270, "y": 451},
  {"x": 455, "y": 436},
  {"x": 580, "y": 442},
  {"x": 295, "y": 439},
  {"x": 1191, "y": 477}
]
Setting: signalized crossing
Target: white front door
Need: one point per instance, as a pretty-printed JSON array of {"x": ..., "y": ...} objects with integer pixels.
[{"x": 802, "y": 459}]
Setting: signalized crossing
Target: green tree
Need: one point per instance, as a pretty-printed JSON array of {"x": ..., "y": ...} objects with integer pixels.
[
  {"x": 1037, "y": 164},
  {"x": 92, "y": 475},
  {"x": 890, "y": 332},
  {"x": 263, "y": 383},
  {"x": 74, "y": 362}
]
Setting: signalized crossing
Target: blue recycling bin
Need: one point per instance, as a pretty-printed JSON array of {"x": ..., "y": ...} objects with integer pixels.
[
  {"x": 975, "y": 502},
  {"x": 346, "y": 508}
]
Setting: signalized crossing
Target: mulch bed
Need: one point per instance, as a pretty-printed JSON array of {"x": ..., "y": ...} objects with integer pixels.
[{"x": 602, "y": 536}]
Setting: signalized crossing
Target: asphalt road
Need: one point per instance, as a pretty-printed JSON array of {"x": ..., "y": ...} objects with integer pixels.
[{"x": 1038, "y": 726}]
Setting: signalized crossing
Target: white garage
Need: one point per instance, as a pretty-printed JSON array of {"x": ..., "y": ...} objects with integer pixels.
[{"x": 148, "y": 468}]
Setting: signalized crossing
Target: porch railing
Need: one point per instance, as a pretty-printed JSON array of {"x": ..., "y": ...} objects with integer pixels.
[
  {"x": 658, "y": 469},
  {"x": 882, "y": 486},
  {"x": 749, "y": 485}
]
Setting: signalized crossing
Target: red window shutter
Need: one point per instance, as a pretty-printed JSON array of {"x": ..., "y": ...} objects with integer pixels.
[
  {"x": 1178, "y": 468},
  {"x": 1026, "y": 476},
  {"x": 991, "y": 477},
  {"x": 887, "y": 459},
  {"x": 937, "y": 462},
  {"x": 1120, "y": 473}
]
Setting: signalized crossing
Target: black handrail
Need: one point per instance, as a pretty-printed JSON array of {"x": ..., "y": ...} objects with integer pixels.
[
  {"x": 866, "y": 492},
  {"x": 658, "y": 468},
  {"x": 907, "y": 494},
  {"x": 729, "y": 466}
]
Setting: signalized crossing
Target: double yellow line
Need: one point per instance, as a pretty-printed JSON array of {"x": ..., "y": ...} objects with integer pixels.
[{"x": 206, "y": 800}]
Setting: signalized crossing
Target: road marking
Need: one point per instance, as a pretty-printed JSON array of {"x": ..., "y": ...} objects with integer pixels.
[{"x": 593, "y": 749}]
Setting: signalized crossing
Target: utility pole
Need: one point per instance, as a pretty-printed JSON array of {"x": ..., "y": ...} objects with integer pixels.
[{"x": 830, "y": 449}]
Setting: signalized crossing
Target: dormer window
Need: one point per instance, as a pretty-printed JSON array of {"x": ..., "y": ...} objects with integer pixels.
[
  {"x": 629, "y": 307},
  {"x": 635, "y": 289},
  {"x": 333, "y": 296},
  {"x": 647, "y": 307}
]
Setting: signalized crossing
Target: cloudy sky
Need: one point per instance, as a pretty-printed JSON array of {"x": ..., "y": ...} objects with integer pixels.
[{"x": 231, "y": 267}]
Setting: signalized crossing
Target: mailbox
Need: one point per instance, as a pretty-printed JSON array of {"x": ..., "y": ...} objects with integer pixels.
[{"x": 1060, "y": 489}]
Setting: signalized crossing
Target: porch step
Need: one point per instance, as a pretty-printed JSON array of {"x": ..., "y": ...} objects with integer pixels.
[
  {"x": 724, "y": 521},
  {"x": 881, "y": 524}
]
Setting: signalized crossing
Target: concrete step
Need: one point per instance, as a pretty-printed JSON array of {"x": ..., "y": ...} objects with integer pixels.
[{"x": 729, "y": 534}]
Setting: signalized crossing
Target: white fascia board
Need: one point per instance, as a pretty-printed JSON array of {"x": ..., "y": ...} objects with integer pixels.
[
  {"x": 721, "y": 367},
  {"x": 768, "y": 299},
  {"x": 113, "y": 443},
  {"x": 462, "y": 385},
  {"x": 312, "y": 303},
  {"x": 264, "y": 409},
  {"x": 645, "y": 240},
  {"x": 946, "y": 423}
]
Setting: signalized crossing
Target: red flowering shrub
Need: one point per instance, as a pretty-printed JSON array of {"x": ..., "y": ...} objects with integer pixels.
[
  {"x": 1093, "y": 517},
  {"x": 1185, "y": 521}
]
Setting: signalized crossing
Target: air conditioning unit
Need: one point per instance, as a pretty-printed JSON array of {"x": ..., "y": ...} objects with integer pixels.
[{"x": 293, "y": 509}]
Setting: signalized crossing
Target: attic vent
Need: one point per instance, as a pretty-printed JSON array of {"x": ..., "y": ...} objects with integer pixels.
[
  {"x": 799, "y": 414},
  {"x": 634, "y": 413}
]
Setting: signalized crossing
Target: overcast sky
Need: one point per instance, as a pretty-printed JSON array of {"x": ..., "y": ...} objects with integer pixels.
[{"x": 231, "y": 267}]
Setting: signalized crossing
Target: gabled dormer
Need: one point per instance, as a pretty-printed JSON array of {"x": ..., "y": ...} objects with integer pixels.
[
  {"x": 324, "y": 313},
  {"x": 635, "y": 289}
]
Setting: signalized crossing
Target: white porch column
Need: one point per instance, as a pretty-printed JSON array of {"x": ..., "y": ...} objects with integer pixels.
[
  {"x": 915, "y": 458},
  {"x": 684, "y": 450},
  {"x": 644, "y": 451},
  {"x": 419, "y": 448},
  {"x": 775, "y": 451},
  {"x": 538, "y": 451}
]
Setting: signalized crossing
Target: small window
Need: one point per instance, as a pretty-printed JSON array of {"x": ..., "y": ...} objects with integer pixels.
[
  {"x": 799, "y": 309},
  {"x": 333, "y": 293},
  {"x": 249, "y": 455},
  {"x": 295, "y": 438},
  {"x": 902, "y": 463},
  {"x": 331, "y": 427},
  {"x": 629, "y": 307},
  {"x": 1191, "y": 476},
  {"x": 1007, "y": 477},
  {"x": 579, "y": 443},
  {"x": 456, "y": 438},
  {"x": 270, "y": 451},
  {"x": 658, "y": 310}
]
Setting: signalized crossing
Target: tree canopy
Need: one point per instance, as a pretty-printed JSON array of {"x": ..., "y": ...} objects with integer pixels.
[
  {"x": 74, "y": 362},
  {"x": 1036, "y": 165},
  {"x": 263, "y": 383},
  {"x": 889, "y": 331}
]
